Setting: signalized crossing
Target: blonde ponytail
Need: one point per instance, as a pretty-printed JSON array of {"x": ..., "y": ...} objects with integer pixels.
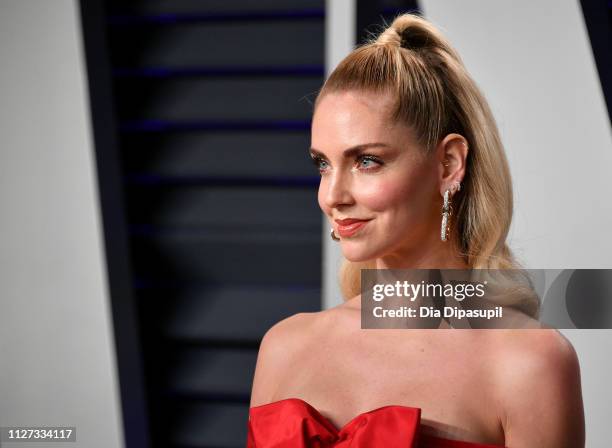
[{"x": 436, "y": 96}]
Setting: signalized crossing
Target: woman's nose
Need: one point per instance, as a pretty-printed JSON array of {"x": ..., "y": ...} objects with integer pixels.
[{"x": 338, "y": 190}]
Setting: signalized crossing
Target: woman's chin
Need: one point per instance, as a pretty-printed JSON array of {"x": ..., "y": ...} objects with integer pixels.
[{"x": 357, "y": 256}]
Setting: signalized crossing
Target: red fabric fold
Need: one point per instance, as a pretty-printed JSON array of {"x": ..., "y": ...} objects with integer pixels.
[{"x": 294, "y": 423}]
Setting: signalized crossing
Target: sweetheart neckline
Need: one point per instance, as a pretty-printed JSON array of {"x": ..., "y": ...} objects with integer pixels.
[
  {"x": 338, "y": 429},
  {"x": 358, "y": 416}
]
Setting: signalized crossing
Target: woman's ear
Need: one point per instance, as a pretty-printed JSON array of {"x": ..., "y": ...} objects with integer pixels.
[{"x": 451, "y": 154}]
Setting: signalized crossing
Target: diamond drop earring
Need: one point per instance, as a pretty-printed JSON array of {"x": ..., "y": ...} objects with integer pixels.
[{"x": 446, "y": 212}]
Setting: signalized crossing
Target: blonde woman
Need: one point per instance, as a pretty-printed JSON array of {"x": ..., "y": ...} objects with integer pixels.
[{"x": 396, "y": 126}]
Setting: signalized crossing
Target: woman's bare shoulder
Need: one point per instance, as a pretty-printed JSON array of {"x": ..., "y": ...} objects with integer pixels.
[
  {"x": 533, "y": 349},
  {"x": 537, "y": 379},
  {"x": 536, "y": 356},
  {"x": 279, "y": 348},
  {"x": 294, "y": 332},
  {"x": 288, "y": 331}
]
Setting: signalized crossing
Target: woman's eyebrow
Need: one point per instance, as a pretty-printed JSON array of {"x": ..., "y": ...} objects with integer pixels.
[{"x": 350, "y": 152}]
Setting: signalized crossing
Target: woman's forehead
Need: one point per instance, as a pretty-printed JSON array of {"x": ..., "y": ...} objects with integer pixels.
[{"x": 352, "y": 118}]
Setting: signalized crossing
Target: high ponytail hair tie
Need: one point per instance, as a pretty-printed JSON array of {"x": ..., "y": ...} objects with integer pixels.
[{"x": 407, "y": 33}]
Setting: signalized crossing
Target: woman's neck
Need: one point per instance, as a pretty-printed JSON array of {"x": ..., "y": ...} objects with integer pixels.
[{"x": 435, "y": 255}]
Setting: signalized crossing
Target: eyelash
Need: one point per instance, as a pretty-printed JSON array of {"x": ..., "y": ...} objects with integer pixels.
[{"x": 317, "y": 160}]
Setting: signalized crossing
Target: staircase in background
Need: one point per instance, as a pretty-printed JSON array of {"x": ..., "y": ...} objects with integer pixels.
[{"x": 213, "y": 101}]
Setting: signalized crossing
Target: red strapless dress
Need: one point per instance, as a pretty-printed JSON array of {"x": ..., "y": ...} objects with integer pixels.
[{"x": 293, "y": 423}]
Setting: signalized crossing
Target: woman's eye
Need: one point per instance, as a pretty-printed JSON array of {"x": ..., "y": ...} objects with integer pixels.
[
  {"x": 366, "y": 163},
  {"x": 369, "y": 162},
  {"x": 319, "y": 163}
]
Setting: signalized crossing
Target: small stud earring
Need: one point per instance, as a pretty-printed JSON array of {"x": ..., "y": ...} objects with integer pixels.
[
  {"x": 333, "y": 235},
  {"x": 455, "y": 187}
]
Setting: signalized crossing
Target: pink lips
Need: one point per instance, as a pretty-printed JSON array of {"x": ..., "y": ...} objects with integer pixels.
[{"x": 348, "y": 227}]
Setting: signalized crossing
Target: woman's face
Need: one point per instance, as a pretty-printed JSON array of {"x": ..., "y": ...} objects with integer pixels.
[{"x": 373, "y": 170}]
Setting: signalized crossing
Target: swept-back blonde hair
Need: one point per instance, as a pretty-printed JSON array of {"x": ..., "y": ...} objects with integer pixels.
[{"x": 434, "y": 95}]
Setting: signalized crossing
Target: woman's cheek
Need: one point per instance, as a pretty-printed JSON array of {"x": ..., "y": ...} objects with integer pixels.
[
  {"x": 382, "y": 195},
  {"x": 320, "y": 199}
]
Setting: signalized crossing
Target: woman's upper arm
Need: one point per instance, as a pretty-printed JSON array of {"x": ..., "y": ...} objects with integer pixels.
[
  {"x": 542, "y": 393},
  {"x": 276, "y": 349}
]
